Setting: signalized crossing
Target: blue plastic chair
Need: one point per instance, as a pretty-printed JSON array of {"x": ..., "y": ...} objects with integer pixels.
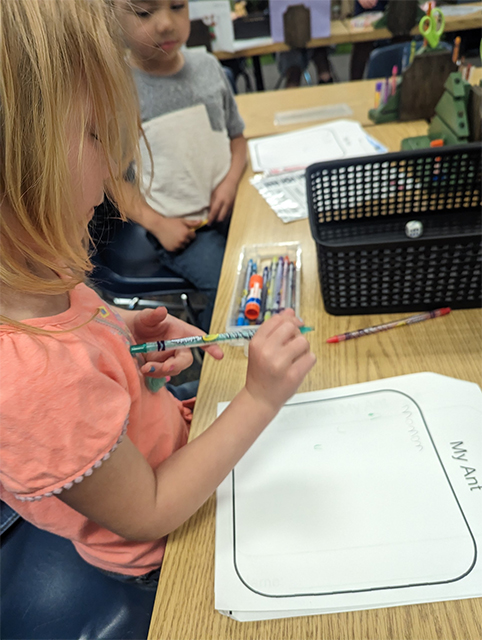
[
  {"x": 49, "y": 593},
  {"x": 383, "y": 59}
]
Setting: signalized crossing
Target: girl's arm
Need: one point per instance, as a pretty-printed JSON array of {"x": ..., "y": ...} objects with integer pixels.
[{"x": 126, "y": 496}]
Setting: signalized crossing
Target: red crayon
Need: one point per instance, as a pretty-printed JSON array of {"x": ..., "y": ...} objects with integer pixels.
[{"x": 390, "y": 325}]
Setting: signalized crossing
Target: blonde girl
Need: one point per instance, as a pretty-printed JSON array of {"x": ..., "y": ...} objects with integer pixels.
[{"x": 87, "y": 450}]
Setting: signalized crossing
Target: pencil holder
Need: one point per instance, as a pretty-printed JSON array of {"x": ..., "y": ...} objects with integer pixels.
[{"x": 398, "y": 232}]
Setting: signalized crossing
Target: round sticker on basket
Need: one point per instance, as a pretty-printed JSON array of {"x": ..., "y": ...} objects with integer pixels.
[{"x": 414, "y": 229}]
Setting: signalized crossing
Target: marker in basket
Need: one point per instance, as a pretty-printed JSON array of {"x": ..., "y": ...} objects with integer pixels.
[
  {"x": 199, "y": 341},
  {"x": 390, "y": 325}
]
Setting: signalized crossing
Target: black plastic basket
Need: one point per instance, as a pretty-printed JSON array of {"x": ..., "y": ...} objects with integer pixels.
[{"x": 358, "y": 211}]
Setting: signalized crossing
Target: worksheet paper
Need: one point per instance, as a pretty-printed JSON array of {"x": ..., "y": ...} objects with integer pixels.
[
  {"x": 299, "y": 149},
  {"x": 359, "y": 497},
  {"x": 285, "y": 190}
]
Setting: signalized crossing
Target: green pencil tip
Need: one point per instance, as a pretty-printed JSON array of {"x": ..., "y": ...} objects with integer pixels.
[
  {"x": 306, "y": 329},
  {"x": 137, "y": 348}
]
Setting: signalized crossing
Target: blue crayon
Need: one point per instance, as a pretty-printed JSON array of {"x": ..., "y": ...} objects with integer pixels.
[
  {"x": 264, "y": 295},
  {"x": 271, "y": 286},
  {"x": 284, "y": 286},
  {"x": 278, "y": 285},
  {"x": 241, "y": 318},
  {"x": 289, "y": 293}
]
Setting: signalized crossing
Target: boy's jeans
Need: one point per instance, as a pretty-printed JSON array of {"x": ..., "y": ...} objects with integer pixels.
[{"x": 200, "y": 263}]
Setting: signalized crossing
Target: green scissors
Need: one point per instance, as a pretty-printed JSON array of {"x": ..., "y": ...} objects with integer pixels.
[{"x": 432, "y": 27}]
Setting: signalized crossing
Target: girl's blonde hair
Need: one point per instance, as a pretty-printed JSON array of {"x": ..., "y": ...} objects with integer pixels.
[{"x": 58, "y": 59}]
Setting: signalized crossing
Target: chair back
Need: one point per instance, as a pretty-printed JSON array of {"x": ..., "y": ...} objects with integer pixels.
[
  {"x": 126, "y": 262},
  {"x": 383, "y": 59}
]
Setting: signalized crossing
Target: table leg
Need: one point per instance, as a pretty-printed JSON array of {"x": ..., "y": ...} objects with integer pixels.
[{"x": 258, "y": 74}]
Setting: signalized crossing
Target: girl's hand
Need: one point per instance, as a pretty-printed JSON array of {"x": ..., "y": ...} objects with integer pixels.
[
  {"x": 156, "y": 324},
  {"x": 279, "y": 359}
]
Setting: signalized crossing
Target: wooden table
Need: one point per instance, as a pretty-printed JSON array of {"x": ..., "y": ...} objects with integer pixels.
[
  {"x": 452, "y": 23},
  {"x": 343, "y": 31},
  {"x": 452, "y": 346},
  {"x": 258, "y": 109},
  {"x": 338, "y": 35}
]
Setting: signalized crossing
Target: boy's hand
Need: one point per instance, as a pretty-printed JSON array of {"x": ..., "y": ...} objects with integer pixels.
[
  {"x": 175, "y": 234},
  {"x": 222, "y": 200},
  {"x": 279, "y": 359},
  {"x": 156, "y": 324}
]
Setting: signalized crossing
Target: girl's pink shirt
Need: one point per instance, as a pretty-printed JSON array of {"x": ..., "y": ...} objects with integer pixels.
[{"x": 66, "y": 402}]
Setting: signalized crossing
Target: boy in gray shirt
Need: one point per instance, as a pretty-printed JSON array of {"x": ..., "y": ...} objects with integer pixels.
[{"x": 195, "y": 136}]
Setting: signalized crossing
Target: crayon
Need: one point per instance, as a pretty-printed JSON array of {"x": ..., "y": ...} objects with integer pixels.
[
  {"x": 378, "y": 93},
  {"x": 455, "y": 52},
  {"x": 289, "y": 293},
  {"x": 269, "y": 301},
  {"x": 277, "y": 286},
  {"x": 390, "y": 325},
  {"x": 199, "y": 341},
  {"x": 264, "y": 295},
  {"x": 241, "y": 318},
  {"x": 284, "y": 285}
]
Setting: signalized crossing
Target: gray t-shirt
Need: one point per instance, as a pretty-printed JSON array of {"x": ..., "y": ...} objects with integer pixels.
[
  {"x": 200, "y": 81},
  {"x": 188, "y": 119}
]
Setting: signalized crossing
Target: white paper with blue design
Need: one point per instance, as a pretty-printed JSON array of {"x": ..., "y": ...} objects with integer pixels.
[{"x": 359, "y": 497}]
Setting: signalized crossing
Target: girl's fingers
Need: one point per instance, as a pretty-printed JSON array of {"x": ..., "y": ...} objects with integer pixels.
[
  {"x": 282, "y": 328},
  {"x": 172, "y": 366},
  {"x": 303, "y": 365},
  {"x": 152, "y": 317},
  {"x": 214, "y": 351}
]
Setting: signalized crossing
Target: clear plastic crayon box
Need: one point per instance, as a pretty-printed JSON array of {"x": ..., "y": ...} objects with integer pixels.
[{"x": 262, "y": 255}]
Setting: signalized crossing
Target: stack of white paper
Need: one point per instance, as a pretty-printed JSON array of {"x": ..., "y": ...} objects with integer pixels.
[
  {"x": 359, "y": 497},
  {"x": 299, "y": 149},
  {"x": 284, "y": 157}
]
